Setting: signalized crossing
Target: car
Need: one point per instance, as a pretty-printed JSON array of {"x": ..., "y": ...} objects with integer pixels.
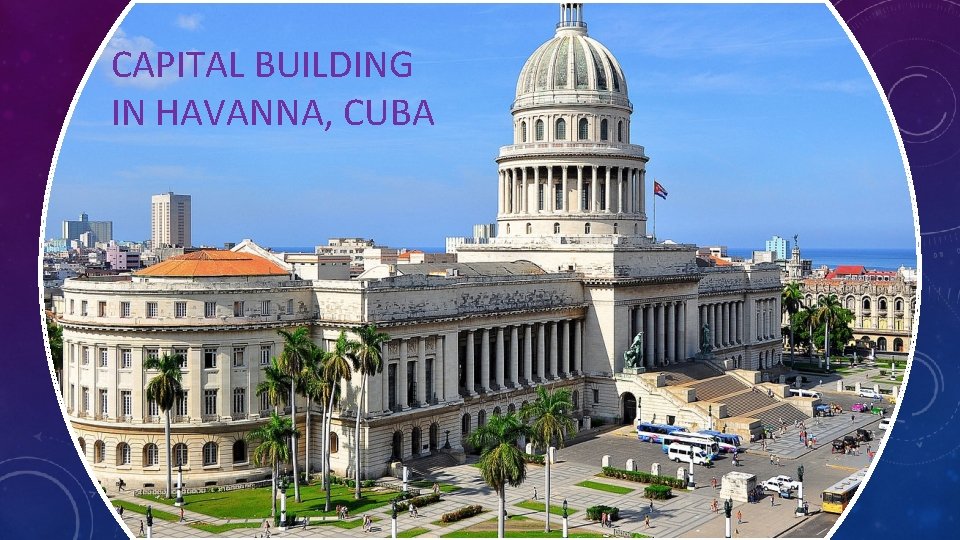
[
  {"x": 859, "y": 407},
  {"x": 869, "y": 393},
  {"x": 779, "y": 483},
  {"x": 884, "y": 424},
  {"x": 878, "y": 410}
]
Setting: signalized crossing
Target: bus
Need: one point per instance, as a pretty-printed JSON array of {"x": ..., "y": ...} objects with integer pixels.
[
  {"x": 728, "y": 438},
  {"x": 838, "y": 496},
  {"x": 709, "y": 446},
  {"x": 726, "y": 448},
  {"x": 650, "y": 432}
]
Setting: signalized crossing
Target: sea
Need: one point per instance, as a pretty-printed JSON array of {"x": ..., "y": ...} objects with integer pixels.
[{"x": 873, "y": 259}]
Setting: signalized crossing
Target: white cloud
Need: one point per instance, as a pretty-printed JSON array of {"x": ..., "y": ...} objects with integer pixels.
[{"x": 190, "y": 22}]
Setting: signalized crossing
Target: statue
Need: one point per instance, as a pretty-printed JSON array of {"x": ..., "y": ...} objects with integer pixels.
[
  {"x": 706, "y": 341},
  {"x": 633, "y": 357}
]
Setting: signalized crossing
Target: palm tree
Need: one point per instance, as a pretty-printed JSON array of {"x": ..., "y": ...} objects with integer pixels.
[
  {"x": 828, "y": 310},
  {"x": 275, "y": 384},
  {"x": 165, "y": 389},
  {"x": 804, "y": 317},
  {"x": 367, "y": 359},
  {"x": 550, "y": 416},
  {"x": 55, "y": 339},
  {"x": 336, "y": 368},
  {"x": 311, "y": 387},
  {"x": 501, "y": 460},
  {"x": 790, "y": 299},
  {"x": 274, "y": 448},
  {"x": 296, "y": 351}
]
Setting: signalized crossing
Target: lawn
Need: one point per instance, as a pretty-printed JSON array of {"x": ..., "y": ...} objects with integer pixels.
[
  {"x": 216, "y": 529},
  {"x": 619, "y": 490},
  {"x": 539, "y": 507},
  {"x": 426, "y": 487},
  {"x": 159, "y": 514},
  {"x": 255, "y": 503},
  {"x": 412, "y": 532}
]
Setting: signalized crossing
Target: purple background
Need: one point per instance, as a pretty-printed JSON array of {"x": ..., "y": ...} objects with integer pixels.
[{"x": 45, "y": 47}]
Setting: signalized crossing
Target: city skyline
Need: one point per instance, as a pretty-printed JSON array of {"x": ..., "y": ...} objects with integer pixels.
[{"x": 700, "y": 108}]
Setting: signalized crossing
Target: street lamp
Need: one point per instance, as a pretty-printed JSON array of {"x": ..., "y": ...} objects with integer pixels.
[
  {"x": 149, "y": 521},
  {"x": 179, "y": 501},
  {"x": 565, "y": 518},
  {"x": 800, "y": 491},
  {"x": 691, "y": 485},
  {"x": 283, "y": 504},
  {"x": 393, "y": 519},
  {"x": 727, "y": 510}
]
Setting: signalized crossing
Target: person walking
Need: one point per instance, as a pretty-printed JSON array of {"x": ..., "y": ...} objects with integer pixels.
[
  {"x": 436, "y": 488},
  {"x": 778, "y": 462},
  {"x": 713, "y": 481},
  {"x": 646, "y": 520},
  {"x": 739, "y": 518},
  {"x": 141, "y": 528},
  {"x": 772, "y": 457},
  {"x": 771, "y": 501},
  {"x": 181, "y": 515},
  {"x": 266, "y": 529},
  {"x": 534, "y": 493}
]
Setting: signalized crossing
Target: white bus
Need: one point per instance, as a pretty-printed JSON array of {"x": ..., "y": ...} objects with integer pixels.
[
  {"x": 708, "y": 446},
  {"x": 686, "y": 453},
  {"x": 724, "y": 447}
]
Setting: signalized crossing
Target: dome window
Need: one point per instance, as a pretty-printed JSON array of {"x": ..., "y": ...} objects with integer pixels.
[
  {"x": 620, "y": 131},
  {"x": 556, "y": 228},
  {"x": 615, "y": 228},
  {"x": 603, "y": 130},
  {"x": 583, "y": 129},
  {"x": 538, "y": 130},
  {"x": 523, "y": 132},
  {"x": 508, "y": 228},
  {"x": 586, "y": 228},
  {"x": 529, "y": 228},
  {"x": 561, "y": 129}
]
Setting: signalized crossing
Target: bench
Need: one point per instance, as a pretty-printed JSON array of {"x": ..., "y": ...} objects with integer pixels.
[{"x": 620, "y": 533}]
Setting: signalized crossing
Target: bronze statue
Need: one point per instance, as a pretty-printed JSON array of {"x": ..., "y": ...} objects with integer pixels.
[
  {"x": 633, "y": 356},
  {"x": 706, "y": 341}
]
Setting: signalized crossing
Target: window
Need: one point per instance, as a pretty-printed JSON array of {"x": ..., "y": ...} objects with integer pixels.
[
  {"x": 210, "y": 402},
  {"x": 265, "y": 355},
  {"x": 151, "y": 310},
  {"x": 85, "y": 355},
  {"x": 523, "y": 132},
  {"x": 124, "y": 309},
  {"x": 210, "y": 451},
  {"x": 561, "y": 129},
  {"x": 540, "y": 189},
  {"x": 238, "y": 357},
  {"x": 881, "y": 344},
  {"x": 126, "y": 358},
  {"x": 583, "y": 129},
  {"x": 898, "y": 304},
  {"x": 558, "y": 193},
  {"x": 620, "y": 131},
  {"x": 179, "y": 309},
  {"x": 596, "y": 396},
  {"x": 126, "y": 403},
  {"x": 152, "y": 352},
  {"x": 866, "y": 303},
  {"x": 209, "y": 309},
  {"x": 238, "y": 308},
  {"x": 239, "y": 400},
  {"x": 603, "y": 129},
  {"x": 84, "y": 399},
  {"x": 123, "y": 454},
  {"x": 73, "y": 396},
  {"x": 290, "y": 306},
  {"x": 264, "y": 402},
  {"x": 529, "y": 228},
  {"x": 334, "y": 443},
  {"x": 102, "y": 355},
  {"x": 180, "y": 405},
  {"x": 209, "y": 358},
  {"x": 151, "y": 455},
  {"x": 104, "y": 411},
  {"x": 152, "y": 408},
  {"x": 71, "y": 306},
  {"x": 616, "y": 228},
  {"x": 83, "y": 446},
  {"x": 99, "y": 451},
  {"x": 182, "y": 353},
  {"x": 179, "y": 454},
  {"x": 538, "y": 130},
  {"x": 556, "y": 228},
  {"x": 264, "y": 307},
  {"x": 882, "y": 303},
  {"x": 586, "y": 228},
  {"x": 101, "y": 309},
  {"x": 73, "y": 354},
  {"x": 83, "y": 308},
  {"x": 240, "y": 451}
]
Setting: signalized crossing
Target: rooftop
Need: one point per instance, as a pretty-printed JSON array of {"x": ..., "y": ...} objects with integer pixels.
[{"x": 213, "y": 263}]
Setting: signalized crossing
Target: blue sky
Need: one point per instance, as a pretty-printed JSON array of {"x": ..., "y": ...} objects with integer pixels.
[{"x": 759, "y": 120}]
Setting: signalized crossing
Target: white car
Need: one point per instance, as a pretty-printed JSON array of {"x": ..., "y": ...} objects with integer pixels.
[
  {"x": 885, "y": 424},
  {"x": 869, "y": 393},
  {"x": 779, "y": 483}
]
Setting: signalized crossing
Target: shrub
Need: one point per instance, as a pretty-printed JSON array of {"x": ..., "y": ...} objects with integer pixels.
[
  {"x": 657, "y": 491},
  {"x": 461, "y": 513},
  {"x": 534, "y": 458},
  {"x": 420, "y": 502},
  {"x": 643, "y": 477},
  {"x": 593, "y": 513}
]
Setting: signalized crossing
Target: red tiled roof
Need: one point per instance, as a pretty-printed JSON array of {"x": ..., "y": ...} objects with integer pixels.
[
  {"x": 850, "y": 270},
  {"x": 213, "y": 263}
]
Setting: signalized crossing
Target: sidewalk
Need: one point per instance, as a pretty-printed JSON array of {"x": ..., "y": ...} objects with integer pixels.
[{"x": 758, "y": 519}]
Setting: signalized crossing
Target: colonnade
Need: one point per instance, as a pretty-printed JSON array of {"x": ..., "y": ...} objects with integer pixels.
[
  {"x": 575, "y": 189},
  {"x": 726, "y": 322},
  {"x": 414, "y": 373},
  {"x": 768, "y": 319},
  {"x": 509, "y": 356},
  {"x": 664, "y": 331}
]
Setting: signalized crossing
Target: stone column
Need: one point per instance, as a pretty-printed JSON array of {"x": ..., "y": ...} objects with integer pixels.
[
  {"x": 594, "y": 190},
  {"x": 621, "y": 191},
  {"x": 422, "y": 397},
  {"x": 649, "y": 337},
  {"x": 451, "y": 375},
  {"x": 500, "y": 359},
  {"x": 565, "y": 355},
  {"x": 661, "y": 334},
  {"x": 514, "y": 356},
  {"x": 642, "y": 187},
  {"x": 608, "y": 199},
  {"x": 528, "y": 353},
  {"x": 564, "y": 205},
  {"x": 670, "y": 329},
  {"x": 577, "y": 347},
  {"x": 485, "y": 360},
  {"x": 710, "y": 319},
  {"x": 726, "y": 324},
  {"x": 579, "y": 202},
  {"x": 470, "y": 364},
  {"x": 740, "y": 322},
  {"x": 536, "y": 189},
  {"x": 716, "y": 328},
  {"x": 541, "y": 351},
  {"x": 552, "y": 191},
  {"x": 553, "y": 349},
  {"x": 682, "y": 326},
  {"x": 402, "y": 375},
  {"x": 385, "y": 380}
]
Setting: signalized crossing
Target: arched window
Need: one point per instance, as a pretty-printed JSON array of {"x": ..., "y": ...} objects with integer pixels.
[
  {"x": 334, "y": 443},
  {"x": 898, "y": 304},
  {"x": 538, "y": 130},
  {"x": 481, "y": 418},
  {"x": 99, "y": 451},
  {"x": 523, "y": 132},
  {"x": 583, "y": 129},
  {"x": 576, "y": 400},
  {"x": 496, "y": 411},
  {"x": 882, "y": 303},
  {"x": 866, "y": 303},
  {"x": 83, "y": 446},
  {"x": 151, "y": 455},
  {"x": 508, "y": 228},
  {"x": 586, "y": 228},
  {"x": 123, "y": 454},
  {"x": 511, "y": 408},
  {"x": 881, "y": 343},
  {"x": 529, "y": 228},
  {"x": 556, "y": 228},
  {"x": 465, "y": 426},
  {"x": 620, "y": 131},
  {"x": 898, "y": 345},
  {"x": 179, "y": 454},
  {"x": 615, "y": 228},
  {"x": 240, "y": 451},
  {"x": 210, "y": 451},
  {"x": 851, "y": 303},
  {"x": 561, "y": 129},
  {"x": 603, "y": 129}
]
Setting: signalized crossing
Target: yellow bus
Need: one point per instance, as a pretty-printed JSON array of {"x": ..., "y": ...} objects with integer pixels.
[{"x": 838, "y": 496}]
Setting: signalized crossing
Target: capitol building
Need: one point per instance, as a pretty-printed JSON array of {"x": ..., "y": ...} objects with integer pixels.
[{"x": 569, "y": 282}]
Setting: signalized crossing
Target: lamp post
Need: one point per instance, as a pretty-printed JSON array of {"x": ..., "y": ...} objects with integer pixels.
[
  {"x": 691, "y": 485},
  {"x": 565, "y": 518},
  {"x": 283, "y": 505},
  {"x": 179, "y": 501},
  {"x": 800, "y": 491},
  {"x": 727, "y": 510},
  {"x": 710, "y": 414},
  {"x": 149, "y": 521},
  {"x": 393, "y": 519}
]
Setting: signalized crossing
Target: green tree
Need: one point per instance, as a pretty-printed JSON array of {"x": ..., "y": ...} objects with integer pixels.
[
  {"x": 273, "y": 448},
  {"x": 310, "y": 386},
  {"x": 367, "y": 360},
  {"x": 165, "y": 389},
  {"x": 296, "y": 353},
  {"x": 338, "y": 367},
  {"x": 501, "y": 461},
  {"x": 275, "y": 384},
  {"x": 803, "y": 326},
  {"x": 549, "y": 417},
  {"x": 55, "y": 339},
  {"x": 828, "y": 312},
  {"x": 791, "y": 298}
]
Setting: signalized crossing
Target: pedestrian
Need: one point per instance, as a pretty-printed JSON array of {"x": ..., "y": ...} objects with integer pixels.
[
  {"x": 713, "y": 481},
  {"x": 771, "y": 501},
  {"x": 646, "y": 520},
  {"x": 266, "y": 529},
  {"x": 821, "y": 382},
  {"x": 141, "y": 528},
  {"x": 853, "y": 418},
  {"x": 651, "y": 506},
  {"x": 778, "y": 462},
  {"x": 436, "y": 488},
  {"x": 534, "y": 493},
  {"x": 181, "y": 515},
  {"x": 771, "y": 459},
  {"x": 739, "y": 517},
  {"x": 603, "y": 519},
  {"x": 120, "y": 509}
]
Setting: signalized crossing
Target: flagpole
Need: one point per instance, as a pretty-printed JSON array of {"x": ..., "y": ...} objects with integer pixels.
[{"x": 654, "y": 211}]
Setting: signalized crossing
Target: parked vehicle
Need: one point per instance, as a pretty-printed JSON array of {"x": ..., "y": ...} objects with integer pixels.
[
  {"x": 869, "y": 393},
  {"x": 863, "y": 435},
  {"x": 686, "y": 453},
  {"x": 859, "y": 407},
  {"x": 884, "y": 424},
  {"x": 780, "y": 484}
]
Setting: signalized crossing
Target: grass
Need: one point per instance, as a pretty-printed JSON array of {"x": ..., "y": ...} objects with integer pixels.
[
  {"x": 439, "y": 523},
  {"x": 539, "y": 507},
  {"x": 619, "y": 490},
  {"x": 216, "y": 529},
  {"x": 412, "y": 532},
  {"x": 159, "y": 514},
  {"x": 255, "y": 503},
  {"x": 517, "y": 527},
  {"x": 428, "y": 486}
]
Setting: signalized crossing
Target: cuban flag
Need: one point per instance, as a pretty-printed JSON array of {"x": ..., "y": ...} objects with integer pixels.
[{"x": 659, "y": 190}]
